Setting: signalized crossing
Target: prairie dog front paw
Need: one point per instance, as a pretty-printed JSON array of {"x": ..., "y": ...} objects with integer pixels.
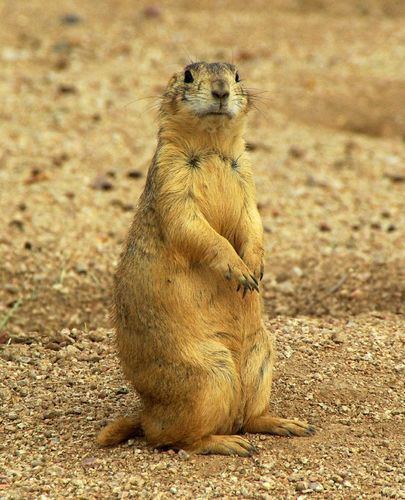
[
  {"x": 254, "y": 261},
  {"x": 243, "y": 278}
]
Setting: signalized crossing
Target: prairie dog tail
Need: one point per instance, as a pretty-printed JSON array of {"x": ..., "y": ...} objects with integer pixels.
[{"x": 119, "y": 430}]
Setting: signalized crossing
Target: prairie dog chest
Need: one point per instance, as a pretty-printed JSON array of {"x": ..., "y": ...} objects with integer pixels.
[{"x": 217, "y": 187}]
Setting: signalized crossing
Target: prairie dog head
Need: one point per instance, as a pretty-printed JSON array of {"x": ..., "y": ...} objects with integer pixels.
[{"x": 210, "y": 92}]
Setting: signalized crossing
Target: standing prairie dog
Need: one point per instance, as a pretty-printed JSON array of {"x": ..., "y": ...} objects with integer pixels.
[{"x": 187, "y": 310}]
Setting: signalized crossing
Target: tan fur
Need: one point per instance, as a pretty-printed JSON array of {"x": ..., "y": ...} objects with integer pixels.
[
  {"x": 119, "y": 430},
  {"x": 194, "y": 347}
]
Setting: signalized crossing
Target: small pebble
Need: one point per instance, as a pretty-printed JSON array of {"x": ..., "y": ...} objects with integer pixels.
[
  {"x": 316, "y": 486},
  {"x": 282, "y": 277},
  {"x": 10, "y": 288},
  {"x": 102, "y": 183},
  {"x": 338, "y": 337},
  {"x": 298, "y": 271},
  {"x": 81, "y": 268},
  {"x": 286, "y": 288},
  {"x": 122, "y": 390},
  {"x": 302, "y": 485},
  {"x": 324, "y": 227},
  {"x": 152, "y": 11},
  {"x": 134, "y": 174},
  {"x": 296, "y": 152},
  {"x": 96, "y": 336},
  {"x": 66, "y": 88},
  {"x": 183, "y": 455},
  {"x": 70, "y": 18}
]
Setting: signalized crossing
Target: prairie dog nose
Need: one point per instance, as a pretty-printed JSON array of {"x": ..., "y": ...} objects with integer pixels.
[{"x": 220, "y": 89}]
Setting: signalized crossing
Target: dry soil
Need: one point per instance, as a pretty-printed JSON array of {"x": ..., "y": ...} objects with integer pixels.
[{"x": 79, "y": 86}]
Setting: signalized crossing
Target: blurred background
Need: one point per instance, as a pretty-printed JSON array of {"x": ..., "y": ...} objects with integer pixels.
[{"x": 80, "y": 83}]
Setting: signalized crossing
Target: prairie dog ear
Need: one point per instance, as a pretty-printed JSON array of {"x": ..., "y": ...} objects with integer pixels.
[{"x": 174, "y": 79}]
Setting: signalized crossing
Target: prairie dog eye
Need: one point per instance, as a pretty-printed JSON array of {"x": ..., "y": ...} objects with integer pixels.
[
  {"x": 237, "y": 78},
  {"x": 188, "y": 76}
]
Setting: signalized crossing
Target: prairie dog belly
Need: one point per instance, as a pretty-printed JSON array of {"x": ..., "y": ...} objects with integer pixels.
[{"x": 217, "y": 189}]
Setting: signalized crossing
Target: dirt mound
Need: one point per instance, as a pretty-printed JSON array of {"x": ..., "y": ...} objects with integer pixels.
[{"x": 363, "y": 106}]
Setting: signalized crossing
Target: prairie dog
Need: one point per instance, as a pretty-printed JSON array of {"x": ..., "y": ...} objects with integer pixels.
[{"x": 188, "y": 312}]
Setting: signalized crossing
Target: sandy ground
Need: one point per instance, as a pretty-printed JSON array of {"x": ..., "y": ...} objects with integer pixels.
[{"x": 79, "y": 83}]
